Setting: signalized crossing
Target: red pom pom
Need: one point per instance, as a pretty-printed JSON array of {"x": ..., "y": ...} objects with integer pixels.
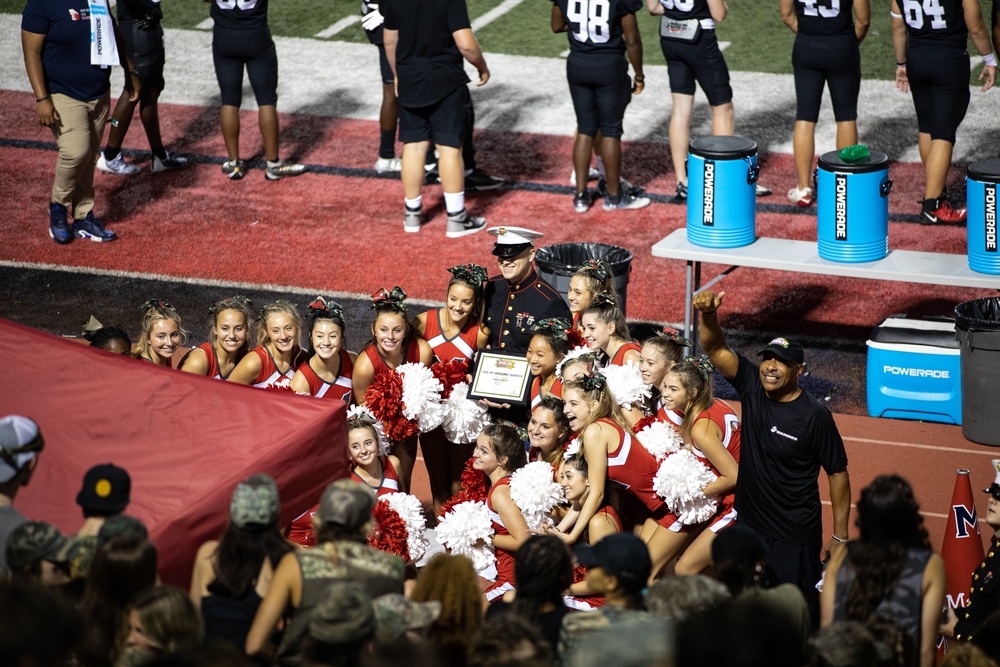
[
  {"x": 575, "y": 338},
  {"x": 579, "y": 573},
  {"x": 384, "y": 400},
  {"x": 475, "y": 487},
  {"x": 389, "y": 533},
  {"x": 644, "y": 422},
  {"x": 279, "y": 387},
  {"x": 450, "y": 373}
]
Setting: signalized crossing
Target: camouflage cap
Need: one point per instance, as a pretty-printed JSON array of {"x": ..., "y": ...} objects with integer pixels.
[
  {"x": 255, "y": 502},
  {"x": 33, "y": 541},
  {"x": 344, "y": 615},
  {"x": 121, "y": 525},
  {"x": 395, "y": 615},
  {"x": 78, "y": 554}
]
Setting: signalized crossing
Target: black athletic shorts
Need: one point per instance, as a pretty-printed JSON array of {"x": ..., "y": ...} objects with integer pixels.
[
  {"x": 146, "y": 49},
  {"x": 254, "y": 49},
  {"x": 601, "y": 91},
  {"x": 834, "y": 62},
  {"x": 442, "y": 122},
  {"x": 939, "y": 81},
  {"x": 383, "y": 63},
  {"x": 700, "y": 62}
]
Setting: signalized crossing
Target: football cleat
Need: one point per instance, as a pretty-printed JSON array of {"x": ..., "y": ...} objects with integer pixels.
[
  {"x": 116, "y": 166},
  {"x": 234, "y": 169},
  {"x": 942, "y": 213}
]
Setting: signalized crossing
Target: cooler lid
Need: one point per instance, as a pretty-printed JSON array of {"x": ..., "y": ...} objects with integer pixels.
[
  {"x": 875, "y": 162},
  {"x": 985, "y": 171},
  {"x": 903, "y": 330},
  {"x": 723, "y": 148}
]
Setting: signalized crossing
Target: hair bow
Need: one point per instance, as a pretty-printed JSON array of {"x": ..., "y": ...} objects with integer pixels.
[
  {"x": 231, "y": 302},
  {"x": 473, "y": 274},
  {"x": 359, "y": 416},
  {"x": 522, "y": 433},
  {"x": 604, "y": 299},
  {"x": 594, "y": 381},
  {"x": 154, "y": 303},
  {"x": 331, "y": 308},
  {"x": 703, "y": 364},
  {"x": 598, "y": 267},
  {"x": 393, "y": 299},
  {"x": 675, "y": 336},
  {"x": 553, "y": 326}
]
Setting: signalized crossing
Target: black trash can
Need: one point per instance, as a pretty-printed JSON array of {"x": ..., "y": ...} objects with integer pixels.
[
  {"x": 557, "y": 264},
  {"x": 977, "y": 329}
]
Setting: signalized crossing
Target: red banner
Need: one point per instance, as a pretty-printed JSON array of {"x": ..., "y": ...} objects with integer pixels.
[{"x": 185, "y": 440}]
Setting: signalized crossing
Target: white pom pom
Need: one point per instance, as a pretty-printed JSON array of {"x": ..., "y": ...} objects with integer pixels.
[
  {"x": 411, "y": 512},
  {"x": 660, "y": 439},
  {"x": 572, "y": 354},
  {"x": 535, "y": 493},
  {"x": 421, "y": 396},
  {"x": 626, "y": 385},
  {"x": 361, "y": 411},
  {"x": 679, "y": 482},
  {"x": 464, "y": 420},
  {"x": 572, "y": 447},
  {"x": 468, "y": 530}
]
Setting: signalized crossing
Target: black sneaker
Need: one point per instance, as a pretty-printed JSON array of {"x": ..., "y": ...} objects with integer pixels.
[
  {"x": 582, "y": 202},
  {"x": 478, "y": 179},
  {"x": 91, "y": 228},
  {"x": 624, "y": 202},
  {"x": 58, "y": 227},
  {"x": 624, "y": 186},
  {"x": 234, "y": 169},
  {"x": 682, "y": 192},
  {"x": 431, "y": 176},
  {"x": 463, "y": 224}
]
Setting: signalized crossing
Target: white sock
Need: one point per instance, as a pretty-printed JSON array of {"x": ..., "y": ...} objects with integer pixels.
[
  {"x": 414, "y": 204},
  {"x": 454, "y": 202},
  {"x": 600, "y": 166},
  {"x": 275, "y": 163}
]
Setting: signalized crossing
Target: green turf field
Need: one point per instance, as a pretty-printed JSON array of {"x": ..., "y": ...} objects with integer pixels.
[{"x": 759, "y": 41}]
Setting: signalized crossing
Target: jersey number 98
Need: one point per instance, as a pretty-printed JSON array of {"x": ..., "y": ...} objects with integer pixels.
[
  {"x": 590, "y": 20},
  {"x": 244, "y": 5}
]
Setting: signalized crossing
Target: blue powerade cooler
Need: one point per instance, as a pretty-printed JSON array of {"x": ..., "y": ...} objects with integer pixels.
[
  {"x": 914, "y": 371},
  {"x": 722, "y": 192},
  {"x": 981, "y": 185},
  {"x": 852, "y": 203}
]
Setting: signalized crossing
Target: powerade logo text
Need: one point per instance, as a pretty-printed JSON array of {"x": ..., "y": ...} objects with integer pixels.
[
  {"x": 917, "y": 372},
  {"x": 991, "y": 217},
  {"x": 841, "y": 208},
  {"x": 708, "y": 195}
]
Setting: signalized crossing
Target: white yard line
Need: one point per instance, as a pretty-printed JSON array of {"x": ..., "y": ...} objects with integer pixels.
[
  {"x": 207, "y": 24},
  {"x": 495, "y": 13},
  {"x": 912, "y": 445},
  {"x": 339, "y": 26}
]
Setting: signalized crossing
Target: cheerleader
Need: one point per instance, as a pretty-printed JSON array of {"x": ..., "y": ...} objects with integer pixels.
[
  {"x": 593, "y": 278},
  {"x": 454, "y": 333},
  {"x": 368, "y": 466},
  {"x": 278, "y": 354},
  {"x": 545, "y": 352},
  {"x": 576, "y": 367},
  {"x": 548, "y": 432},
  {"x": 328, "y": 371},
  {"x": 605, "y": 330},
  {"x": 228, "y": 341},
  {"x": 161, "y": 335},
  {"x": 712, "y": 431},
  {"x": 394, "y": 343},
  {"x": 500, "y": 452},
  {"x": 612, "y": 453},
  {"x": 658, "y": 355}
]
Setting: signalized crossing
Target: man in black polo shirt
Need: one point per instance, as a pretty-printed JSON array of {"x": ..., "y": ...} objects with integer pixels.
[
  {"x": 787, "y": 436},
  {"x": 425, "y": 42}
]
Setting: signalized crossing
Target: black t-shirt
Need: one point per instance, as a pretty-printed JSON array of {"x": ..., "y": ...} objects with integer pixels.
[
  {"x": 595, "y": 26},
  {"x": 136, "y": 10},
  {"x": 938, "y": 25},
  {"x": 66, "y": 53},
  {"x": 825, "y": 18},
  {"x": 240, "y": 14},
  {"x": 782, "y": 447},
  {"x": 428, "y": 62},
  {"x": 682, "y": 10}
]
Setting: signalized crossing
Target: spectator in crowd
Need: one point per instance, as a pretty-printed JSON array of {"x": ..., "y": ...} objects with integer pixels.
[
  {"x": 843, "y": 644},
  {"x": 786, "y": 436},
  {"x": 398, "y": 618},
  {"x": 510, "y": 640},
  {"x": 425, "y": 44},
  {"x": 890, "y": 568},
  {"x": 676, "y": 598},
  {"x": 106, "y": 491},
  {"x": 342, "y": 627},
  {"x": 20, "y": 443},
  {"x": 161, "y": 621},
  {"x": 451, "y": 580},
  {"x": 984, "y": 593},
  {"x": 36, "y": 551},
  {"x": 745, "y": 632},
  {"x": 233, "y": 574},
  {"x": 644, "y": 641},
  {"x": 38, "y": 627},
  {"x": 111, "y": 339},
  {"x": 341, "y": 552}
]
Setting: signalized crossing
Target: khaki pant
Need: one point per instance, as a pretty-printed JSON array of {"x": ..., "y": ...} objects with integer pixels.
[{"x": 78, "y": 133}]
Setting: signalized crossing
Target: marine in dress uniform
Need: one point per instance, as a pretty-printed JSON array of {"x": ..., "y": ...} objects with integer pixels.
[
  {"x": 984, "y": 593},
  {"x": 517, "y": 299}
]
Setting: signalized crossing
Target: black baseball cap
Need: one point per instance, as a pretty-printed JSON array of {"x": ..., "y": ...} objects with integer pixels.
[
  {"x": 994, "y": 488},
  {"x": 785, "y": 349},
  {"x": 622, "y": 555},
  {"x": 106, "y": 488}
]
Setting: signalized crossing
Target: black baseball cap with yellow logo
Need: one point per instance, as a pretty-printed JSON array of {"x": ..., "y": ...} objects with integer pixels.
[{"x": 106, "y": 489}]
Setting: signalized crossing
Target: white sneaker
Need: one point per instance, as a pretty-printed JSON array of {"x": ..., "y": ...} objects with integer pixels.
[
  {"x": 117, "y": 166},
  {"x": 169, "y": 163},
  {"x": 762, "y": 190},
  {"x": 592, "y": 175},
  {"x": 387, "y": 165},
  {"x": 804, "y": 197}
]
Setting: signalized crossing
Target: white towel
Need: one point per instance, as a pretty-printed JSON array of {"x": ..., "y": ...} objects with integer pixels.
[{"x": 103, "y": 47}]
